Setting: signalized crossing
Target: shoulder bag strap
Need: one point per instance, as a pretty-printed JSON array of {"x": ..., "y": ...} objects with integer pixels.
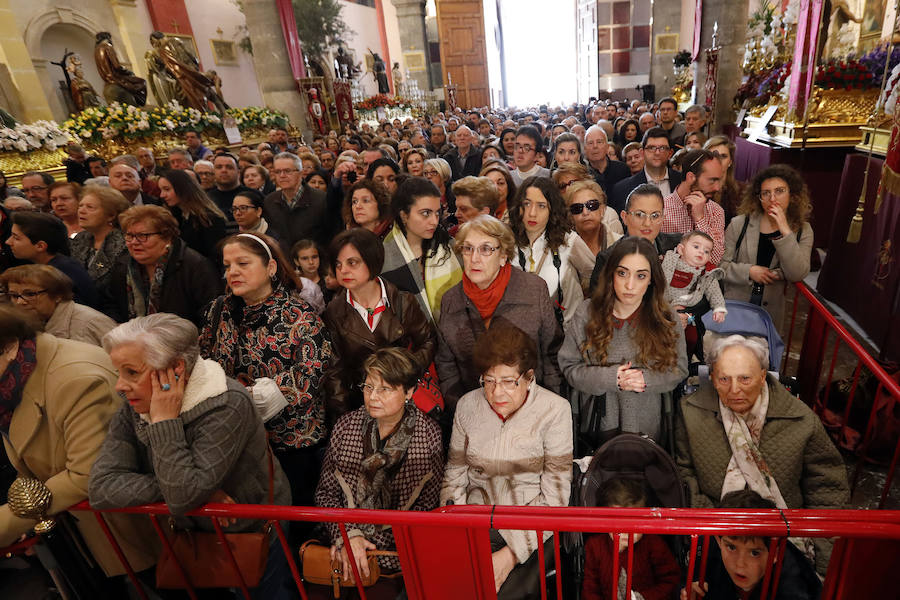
[{"x": 737, "y": 247}]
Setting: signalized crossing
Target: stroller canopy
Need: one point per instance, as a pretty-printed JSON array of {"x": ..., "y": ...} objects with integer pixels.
[{"x": 749, "y": 319}]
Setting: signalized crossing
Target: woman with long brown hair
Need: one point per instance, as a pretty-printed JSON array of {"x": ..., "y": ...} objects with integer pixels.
[
  {"x": 200, "y": 221},
  {"x": 626, "y": 342}
]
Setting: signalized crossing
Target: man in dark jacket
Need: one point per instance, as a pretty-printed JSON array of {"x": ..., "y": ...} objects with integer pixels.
[
  {"x": 77, "y": 170},
  {"x": 465, "y": 159},
  {"x": 606, "y": 172},
  {"x": 656, "y": 149},
  {"x": 227, "y": 176},
  {"x": 296, "y": 211}
]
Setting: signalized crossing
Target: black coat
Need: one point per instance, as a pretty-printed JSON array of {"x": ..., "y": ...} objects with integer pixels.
[
  {"x": 464, "y": 167},
  {"x": 624, "y": 187},
  {"x": 615, "y": 172},
  {"x": 306, "y": 220}
]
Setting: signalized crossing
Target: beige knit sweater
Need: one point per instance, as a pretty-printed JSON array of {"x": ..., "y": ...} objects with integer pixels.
[{"x": 523, "y": 461}]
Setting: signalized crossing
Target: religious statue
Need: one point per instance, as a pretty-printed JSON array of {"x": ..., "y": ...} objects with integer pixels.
[
  {"x": 83, "y": 93},
  {"x": 398, "y": 77},
  {"x": 837, "y": 20},
  {"x": 380, "y": 71},
  {"x": 192, "y": 86},
  {"x": 122, "y": 85},
  {"x": 214, "y": 93},
  {"x": 345, "y": 68},
  {"x": 163, "y": 85},
  {"x": 314, "y": 109}
]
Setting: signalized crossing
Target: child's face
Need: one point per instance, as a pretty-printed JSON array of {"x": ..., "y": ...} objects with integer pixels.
[
  {"x": 623, "y": 537},
  {"x": 695, "y": 251},
  {"x": 745, "y": 560},
  {"x": 307, "y": 260}
]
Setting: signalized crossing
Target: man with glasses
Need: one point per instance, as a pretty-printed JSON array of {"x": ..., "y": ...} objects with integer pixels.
[
  {"x": 605, "y": 172},
  {"x": 206, "y": 174},
  {"x": 35, "y": 186},
  {"x": 465, "y": 159},
  {"x": 528, "y": 144},
  {"x": 226, "y": 176},
  {"x": 656, "y": 150},
  {"x": 643, "y": 217},
  {"x": 668, "y": 120},
  {"x": 42, "y": 239},
  {"x": 691, "y": 206},
  {"x": 295, "y": 211}
]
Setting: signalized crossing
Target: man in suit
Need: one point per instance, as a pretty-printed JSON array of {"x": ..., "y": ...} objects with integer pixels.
[
  {"x": 656, "y": 149},
  {"x": 643, "y": 217}
]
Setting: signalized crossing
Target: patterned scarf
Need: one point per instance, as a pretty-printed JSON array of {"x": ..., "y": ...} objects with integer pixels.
[
  {"x": 379, "y": 466},
  {"x": 747, "y": 467},
  {"x": 142, "y": 302},
  {"x": 442, "y": 271},
  {"x": 12, "y": 382}
]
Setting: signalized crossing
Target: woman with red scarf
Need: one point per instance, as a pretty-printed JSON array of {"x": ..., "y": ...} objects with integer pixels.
[{"x": 492, "y": 289}]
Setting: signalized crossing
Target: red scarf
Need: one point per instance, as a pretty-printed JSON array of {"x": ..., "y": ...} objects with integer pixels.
[{"x": 486, "y": 300}]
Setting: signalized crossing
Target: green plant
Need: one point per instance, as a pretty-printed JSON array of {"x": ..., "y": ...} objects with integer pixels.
[{"x": 320, "y": 26}]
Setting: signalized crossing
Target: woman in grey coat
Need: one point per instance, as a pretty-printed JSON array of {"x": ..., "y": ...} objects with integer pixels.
[
  {"x": 186, "y": 435},
  {"x": 769, "y": 244},
  {"x": 626, "y": 343}
]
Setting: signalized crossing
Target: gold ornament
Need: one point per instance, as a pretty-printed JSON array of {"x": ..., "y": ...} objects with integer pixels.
[{"x": 29, "y": 498}]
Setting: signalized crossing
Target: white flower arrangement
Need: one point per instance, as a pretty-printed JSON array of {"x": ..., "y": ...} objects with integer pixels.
[{"x": 40, "y": 135}]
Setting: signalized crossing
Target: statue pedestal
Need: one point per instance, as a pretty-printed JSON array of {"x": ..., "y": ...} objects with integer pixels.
[{"x": 882, "y": 138}]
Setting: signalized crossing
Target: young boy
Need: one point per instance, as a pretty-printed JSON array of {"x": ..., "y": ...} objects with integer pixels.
[
  {"x": 737, "y": 564},
  {"x": 691, "y": 276},
  {"x": 655, "y": 574}
]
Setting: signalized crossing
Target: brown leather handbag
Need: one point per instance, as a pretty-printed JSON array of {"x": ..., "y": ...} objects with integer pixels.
[
  {"x": 206, "y": 563},
  {"x": 318, "y": 568}
]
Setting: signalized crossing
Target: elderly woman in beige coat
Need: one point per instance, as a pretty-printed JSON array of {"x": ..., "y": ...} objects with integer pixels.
[
  {"x": 511, "y": 444},
  {"x": 747, "y": 431},
  {"x": 56, "y": 400},
  {"x": 769, "y": 244},
  {"x": 46, "y": 293}
]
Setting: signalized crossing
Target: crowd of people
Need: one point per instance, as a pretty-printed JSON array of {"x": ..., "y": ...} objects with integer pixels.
[{"x": 400, "y": 316}]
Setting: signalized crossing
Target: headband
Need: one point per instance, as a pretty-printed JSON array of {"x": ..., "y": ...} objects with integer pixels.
[{"x": 258, "y": 239}]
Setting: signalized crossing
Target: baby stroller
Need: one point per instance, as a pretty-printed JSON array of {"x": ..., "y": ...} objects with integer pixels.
[
  {"x": 750, "y": 320},
  {"x": 629, "y": 456}
]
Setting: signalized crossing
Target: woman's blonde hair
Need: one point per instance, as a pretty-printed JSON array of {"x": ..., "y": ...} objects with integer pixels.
[{"x": 112, "y": 202}]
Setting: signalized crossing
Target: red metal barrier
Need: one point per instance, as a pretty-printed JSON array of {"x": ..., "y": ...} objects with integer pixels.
[
  {"x": 821, "y": 326},
  {"x": 446, "y": 553}
]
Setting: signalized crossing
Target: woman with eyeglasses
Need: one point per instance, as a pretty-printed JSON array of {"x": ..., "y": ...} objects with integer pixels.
[
  {"x": 164, "y": 274},
  {"x": 511, "y": 445},
  {"x": 247, "y": 208},
  {"x": 387, "y": 455},
  {"x": 548, "y": 247},
  {"x": 371, "y": 313},
  {"x": 587, "y": 207},
  {"x": 491, "y": 288},
  {"x": 768, "y": 244},
  {"x": 625, "y": 344}
]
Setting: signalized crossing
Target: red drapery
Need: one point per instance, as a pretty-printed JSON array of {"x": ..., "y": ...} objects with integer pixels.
[{"x": 291, "y": 39}]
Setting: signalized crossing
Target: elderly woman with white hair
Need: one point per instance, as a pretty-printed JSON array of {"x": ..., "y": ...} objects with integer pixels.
[
  {"x": 438, "y": 172},
  {"x": 747, "y": 431},
  {"x": 185, "y": 435}
]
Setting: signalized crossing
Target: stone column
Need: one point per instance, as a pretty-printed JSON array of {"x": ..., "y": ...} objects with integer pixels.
[
  {"x": 135, "y": 36},
  {"x": 21, "y": 69},
  {"x": 666, "y": 19},
  {"x": 413, "y": 38},
  {"x": 273, "y": 71},
  {"x": 732, "y": 17}
]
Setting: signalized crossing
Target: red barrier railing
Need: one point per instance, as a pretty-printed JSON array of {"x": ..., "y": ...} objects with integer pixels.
[
  {"x": 446, "y": 553},
  {"x": 821, "y": 327}
]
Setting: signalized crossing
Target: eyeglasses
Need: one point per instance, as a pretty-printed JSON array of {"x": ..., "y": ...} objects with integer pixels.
[
  {"x": 483, "y": 250},
  {"x": 563, "y": 185},
  {"x": 141, "y": 238},
  {"x": 429, "y": 173},
  {"x": 285, "y": 171},
  {"x": 524, "y": 148},
  {"x": 27, "y": 295},
  {"x": 578, "y": 207},
  {"x": 656, "y": 148},
  {"x": 241, "y": 209},
  {"x": 766, "y": 194},
  {"x": 372, "y": 391},
  {"x": 641, "y": 215},
  {"x": 507, "y": 385}
]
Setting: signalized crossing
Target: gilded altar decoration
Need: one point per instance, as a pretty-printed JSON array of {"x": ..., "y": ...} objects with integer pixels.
[
  {"x": 122, "y": 85},
  {"x": 29, "y": 498},
  {"x": 684, "y": 79},
  {"x": 883, "y": 264}
]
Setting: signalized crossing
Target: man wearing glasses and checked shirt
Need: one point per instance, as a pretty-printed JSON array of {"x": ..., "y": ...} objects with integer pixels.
[{"x": 657, "y": 150}]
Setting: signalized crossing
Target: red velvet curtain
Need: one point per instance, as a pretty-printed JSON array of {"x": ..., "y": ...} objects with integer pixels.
[{"x": 291, "y": 39}]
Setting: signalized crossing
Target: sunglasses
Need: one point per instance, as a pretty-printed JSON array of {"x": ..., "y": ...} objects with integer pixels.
[{"x": 578, "y": 207}]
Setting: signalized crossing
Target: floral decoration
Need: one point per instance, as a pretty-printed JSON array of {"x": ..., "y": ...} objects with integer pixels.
[
  {"x": 383, "y": 100},
  {"x": 846, "y": 74},
  {"x": 96, "y": 124},
  {"x": 40, "y": 135}
]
